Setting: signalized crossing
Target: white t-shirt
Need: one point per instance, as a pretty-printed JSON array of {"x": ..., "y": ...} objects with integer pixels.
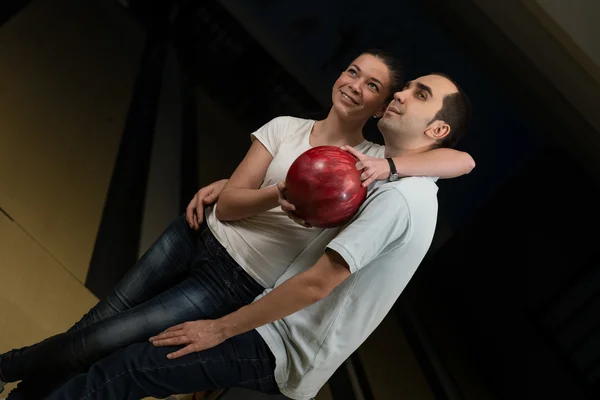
[
  {"x": 266, "y": 243},
  {"x": 383, "y": 246}
]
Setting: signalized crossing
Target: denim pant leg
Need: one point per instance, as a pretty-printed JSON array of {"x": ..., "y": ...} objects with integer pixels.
[
  {"x": 217, "y": 286},
  {"x": 166, "y": 263},
  {"x": 142, "y": 370}
]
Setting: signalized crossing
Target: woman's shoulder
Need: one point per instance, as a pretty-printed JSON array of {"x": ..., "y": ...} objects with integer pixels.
[
  {"x": 281, "y": 129},
  {"x": 291, "y": 126},
  {"x": 291, "y": 122}
]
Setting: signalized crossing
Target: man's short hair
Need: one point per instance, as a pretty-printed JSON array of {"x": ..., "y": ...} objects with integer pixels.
[{"x": 456, "y": 111}]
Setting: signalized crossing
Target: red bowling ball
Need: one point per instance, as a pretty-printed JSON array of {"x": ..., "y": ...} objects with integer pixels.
[{"x": 325, "y": 187}]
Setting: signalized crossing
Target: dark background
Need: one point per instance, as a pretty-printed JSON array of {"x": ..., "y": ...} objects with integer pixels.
[{"x": 513, "y": 275}]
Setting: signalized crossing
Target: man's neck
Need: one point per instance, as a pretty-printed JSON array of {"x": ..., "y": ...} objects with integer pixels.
[{"x": 399, "y": 151}]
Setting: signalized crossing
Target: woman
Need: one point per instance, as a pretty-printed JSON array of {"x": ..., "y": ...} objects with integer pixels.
[{"x": 204, "y": 271}]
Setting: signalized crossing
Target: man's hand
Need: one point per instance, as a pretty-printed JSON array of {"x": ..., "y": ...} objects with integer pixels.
[
  {"x": 195, "y": 336},
  {"x": 194, "y": 214},
  {"x": 294, "y": 294},
  {"x": 288, "y": 207},
  {"x": 373, "y": 169}
]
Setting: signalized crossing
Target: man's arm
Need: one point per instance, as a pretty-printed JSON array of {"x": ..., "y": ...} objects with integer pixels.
[
  {"x": 293, "y": 295},
  {"x": 354, "y": 247}
]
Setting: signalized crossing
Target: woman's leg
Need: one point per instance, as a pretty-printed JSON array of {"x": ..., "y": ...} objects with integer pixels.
[
  {"x": 166, "y": 263},
  {"x": 216, "y": 287},
  {"x": 142, "y": 370}
]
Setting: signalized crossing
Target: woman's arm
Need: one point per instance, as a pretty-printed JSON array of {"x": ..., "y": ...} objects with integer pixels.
[
  {"x": 241, "y": 196},
  {"x": 441, "y": 162},
  {"x": 194, "y": 213}
]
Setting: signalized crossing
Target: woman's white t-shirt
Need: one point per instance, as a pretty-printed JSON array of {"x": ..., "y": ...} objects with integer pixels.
[{"x": 267, "y": 243}]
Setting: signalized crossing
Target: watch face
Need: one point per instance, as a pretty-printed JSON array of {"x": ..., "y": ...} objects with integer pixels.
[{"x": 394, "y": 177}]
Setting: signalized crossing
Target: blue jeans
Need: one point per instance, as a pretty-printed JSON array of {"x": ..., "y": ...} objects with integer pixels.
[
  {"x": 142, "y": 370},
  {"x": 186, "y": 275}
]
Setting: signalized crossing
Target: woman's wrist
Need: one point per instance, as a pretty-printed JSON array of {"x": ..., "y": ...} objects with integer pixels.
[{"x": 272, "y": 194}]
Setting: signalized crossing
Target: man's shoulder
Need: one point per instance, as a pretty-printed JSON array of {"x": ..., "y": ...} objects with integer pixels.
[
  {"x": 416, "y": 199},
  {"x": 413, "y": 186},
  {"x": 419, "y": 192}
]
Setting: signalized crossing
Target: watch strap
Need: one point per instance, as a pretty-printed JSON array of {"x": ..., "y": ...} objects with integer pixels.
[{"x": 393, "y": 170}]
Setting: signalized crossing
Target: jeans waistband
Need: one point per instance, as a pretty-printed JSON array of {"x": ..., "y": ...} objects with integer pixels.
[{"x": 216, "y": 249}]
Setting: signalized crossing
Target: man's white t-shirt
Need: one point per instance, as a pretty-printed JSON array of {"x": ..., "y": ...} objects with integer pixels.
[
  {"x": 265, "y": 244},
  {"x": 383, "y": 246}
]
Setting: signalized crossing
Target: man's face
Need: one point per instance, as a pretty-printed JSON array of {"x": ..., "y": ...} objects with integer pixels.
[{"x": 409, "y": 114}]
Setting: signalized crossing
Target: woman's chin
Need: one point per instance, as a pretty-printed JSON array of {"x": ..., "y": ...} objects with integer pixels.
[{"x": 343, "y": 110}]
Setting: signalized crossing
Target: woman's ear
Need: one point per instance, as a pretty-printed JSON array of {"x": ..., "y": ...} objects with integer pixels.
[{"x": 380, "y": 112}]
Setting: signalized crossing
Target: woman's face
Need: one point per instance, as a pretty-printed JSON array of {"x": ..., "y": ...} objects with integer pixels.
[{"x": 362, "y": 89}]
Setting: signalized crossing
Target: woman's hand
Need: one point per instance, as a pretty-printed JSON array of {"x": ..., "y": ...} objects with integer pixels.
[
  {"x": 194, "y": 214},
  {"x": 288, "y": 207},
  {"x": 373, "y": 169}
]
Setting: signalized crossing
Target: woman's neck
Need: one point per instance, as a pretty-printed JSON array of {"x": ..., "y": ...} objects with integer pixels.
[{"x": 334, "y": 131}]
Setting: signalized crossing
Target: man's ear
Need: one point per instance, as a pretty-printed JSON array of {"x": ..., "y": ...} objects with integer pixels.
[{"x": 438, "y": 130}]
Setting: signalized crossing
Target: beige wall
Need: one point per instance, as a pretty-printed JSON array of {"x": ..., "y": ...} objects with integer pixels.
[
  {"x": 67, "y": 68},
  {"x": 222, "y": 143},
  {"x": 523, "y": 28},
  {"x": 552, "y": 59},
  {"x": 578, "y": 19},
  {"x": 163, "y": 187},
  {"x": 38, "y": 296},
  {"x": 390, "y": 365}
]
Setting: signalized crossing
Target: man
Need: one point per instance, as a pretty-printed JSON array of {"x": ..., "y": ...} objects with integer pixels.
[{"x": 293, "y": 337}]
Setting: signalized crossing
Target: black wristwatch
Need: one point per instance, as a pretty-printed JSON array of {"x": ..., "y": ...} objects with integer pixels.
[{"x": 393, "y": 173}]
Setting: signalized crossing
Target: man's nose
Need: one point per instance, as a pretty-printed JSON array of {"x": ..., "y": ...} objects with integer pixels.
[{"x": 400, "y": 97}]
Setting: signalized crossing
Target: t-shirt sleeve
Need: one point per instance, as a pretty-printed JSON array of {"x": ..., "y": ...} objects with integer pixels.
[
  {"x": 380, "y": 223},
  {"x": 272, "y": 134}
]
